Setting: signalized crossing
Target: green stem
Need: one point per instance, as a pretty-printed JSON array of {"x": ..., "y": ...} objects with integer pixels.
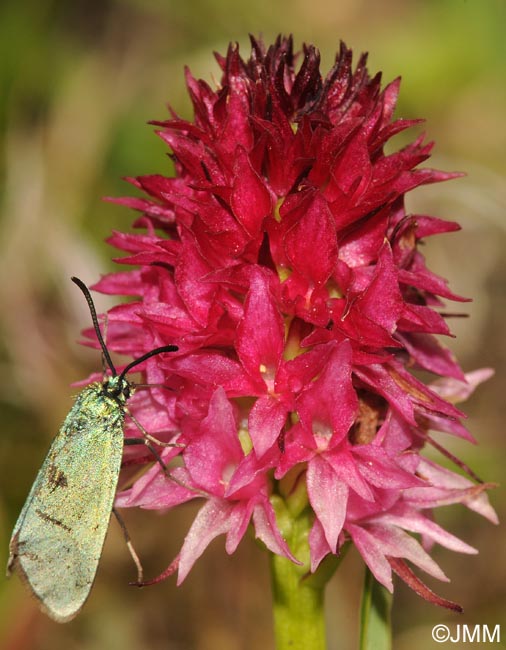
[
  {"x": 298, "y": 595},
  {"x": 298, "y": 607},
  {"x": 375, "y": 615}
]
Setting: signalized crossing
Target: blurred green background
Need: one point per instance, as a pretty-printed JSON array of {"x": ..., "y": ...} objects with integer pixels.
[{"x": 79, "y": 81}]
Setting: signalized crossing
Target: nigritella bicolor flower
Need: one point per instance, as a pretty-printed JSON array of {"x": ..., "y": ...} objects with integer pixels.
[{"x": 281, "y": 261}]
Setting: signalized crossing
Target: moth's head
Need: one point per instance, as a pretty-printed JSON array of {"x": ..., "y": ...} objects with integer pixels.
[{"x": 118, "y": 388}]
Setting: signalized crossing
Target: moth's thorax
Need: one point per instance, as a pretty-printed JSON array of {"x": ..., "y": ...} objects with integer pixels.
[{"x": 118, "y": 388}]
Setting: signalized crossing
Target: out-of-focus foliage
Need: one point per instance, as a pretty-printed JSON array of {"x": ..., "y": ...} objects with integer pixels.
[{"x": 79, "y": 80}]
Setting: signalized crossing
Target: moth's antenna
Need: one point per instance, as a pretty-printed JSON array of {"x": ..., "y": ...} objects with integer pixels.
[
  {"x": 148, "y": 355},
  {"x": 94, "y": 318}
]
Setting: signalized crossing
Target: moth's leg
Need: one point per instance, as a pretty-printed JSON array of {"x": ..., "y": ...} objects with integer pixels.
[
  {"x": 147, "y": 440},
  {"x": 148, "y": 436},
  {"x": 159, "y": 460},
  {"x": 152, "y": 449},
  {"x": 135, "y": 557}
]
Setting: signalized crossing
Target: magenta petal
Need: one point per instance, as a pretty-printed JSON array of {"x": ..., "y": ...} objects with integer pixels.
[
  {"x": 420, "y": 318},
  {"x": 372, "y": 552},
  {"x": 189, "y": 275},
  {"x": 328, "y": 406},
  {"x": 456, "y": 390},
  {"x": 453, "y": 427},
  {"x": 213, "y": 369},
  {"x": 381, "y": 470},
  {"x": 417, "y": 523},
  {"x": 311, "y": 244},
  {"x": 448, "y": 487},
  {"x": 299, "y": 448},
  {"x": 266, "y": 529},
  {"x": 214, "y": 454},
  {"x": 213, "y": 519},
  {"x": 147, "y": 207},
  {"x": 128, "y": 283},
  {"x": 239, "y": 521},
  {"x": 265, "y": 421},
  {"x": 405, "y": 392},
  {"x": 429, "y": 354},
  {"x": 397, "y": 543},
  {"x": 328, "y": 496},
  {"x": 250, "y": 199},
  {"x": 348, "y": 471},
  {"x": 422, "y": 278},
  {"x": 155, "y": 490},
  {"x": 352, "y": 171},
  {"x": 260, "y": 333},
  {"x": 318, "y": 544},
  {"x": 249, "y": 477},
  {"x": 382, "y": 301},
  {"x": 360, "y": 247},
  {"x": 427, "y": 226}
]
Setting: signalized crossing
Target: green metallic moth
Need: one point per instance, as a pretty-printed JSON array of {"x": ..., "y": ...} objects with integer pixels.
[{"x": 58, "y": 538}]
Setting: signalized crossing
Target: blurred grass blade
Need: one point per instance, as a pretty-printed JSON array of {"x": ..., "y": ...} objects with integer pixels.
[{"x": 375, "y": 615}]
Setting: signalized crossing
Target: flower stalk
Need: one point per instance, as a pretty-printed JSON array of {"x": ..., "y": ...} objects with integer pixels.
[
  {"x": 298, "y": 607},
  {"x": 298, "y": 595}
]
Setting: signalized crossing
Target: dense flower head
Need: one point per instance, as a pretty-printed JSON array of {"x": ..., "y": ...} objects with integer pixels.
[{"x": 281, "y": 261}]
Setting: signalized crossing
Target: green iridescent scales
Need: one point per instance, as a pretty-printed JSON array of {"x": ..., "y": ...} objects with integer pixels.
[{"x": 57, "y": 541}]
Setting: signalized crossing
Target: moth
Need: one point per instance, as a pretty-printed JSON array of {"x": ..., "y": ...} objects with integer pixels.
[{"x": 58, "y": 538}]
